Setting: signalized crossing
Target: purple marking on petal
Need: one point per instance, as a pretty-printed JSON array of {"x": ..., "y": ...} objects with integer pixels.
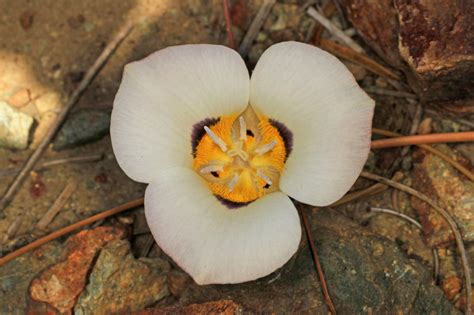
[
  {"x": 232, "y": 205},
  {"x": 285, "y": 133},
  {"x": 198, "y": 132}
]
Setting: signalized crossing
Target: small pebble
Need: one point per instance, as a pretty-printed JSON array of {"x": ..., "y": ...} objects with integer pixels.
[
  {"x": 83, "y": 126},
  {"x": 14, "y": 127},
  {"x": 49, "y": 102},
  {"x": 425, "y": 126},
  {"x": 26, "y": 19}
]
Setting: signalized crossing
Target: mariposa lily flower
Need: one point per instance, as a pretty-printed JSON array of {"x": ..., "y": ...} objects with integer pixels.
[{"x": 222, "y": 152}]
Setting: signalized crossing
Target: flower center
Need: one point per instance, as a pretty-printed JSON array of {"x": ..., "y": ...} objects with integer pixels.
[{"x": 241, "y": 157}]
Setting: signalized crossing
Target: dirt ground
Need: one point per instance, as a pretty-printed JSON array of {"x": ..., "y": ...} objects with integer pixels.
[{"x": 47, "y": 45}]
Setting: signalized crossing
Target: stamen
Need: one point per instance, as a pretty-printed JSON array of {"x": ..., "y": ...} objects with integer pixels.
[
  {"x": 265, "y": 148},
  {"x": 211, "y": 168},
  {"x": 233, "y": 182},
  {"x": 264, "y": 177},
  {"x": 220, "y": 143},
  {"x": 243, "y": 129}
]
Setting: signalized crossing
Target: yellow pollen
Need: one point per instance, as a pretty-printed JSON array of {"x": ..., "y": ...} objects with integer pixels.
[{"x": 241, "y": 160}]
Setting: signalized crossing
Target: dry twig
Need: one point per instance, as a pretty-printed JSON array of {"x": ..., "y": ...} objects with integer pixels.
[
  {"x": 447, "y": 217},
  {"x": 57, "y": 205},
  {"x": 54, "y": 235},
  {"x": 429, "y": 148},
  {"x": 424, "y": 139},
  {"x": 314, "y": 253},
  {"x": 334, "y": 30},
  {"x": 385, "y": 92},
  {"x": 88, "y": 77},
  {"x": 74, "y": 159},
  {"x": 228, "y": 25},
  {"x": 369, "y": 191},
  {"x": 361, "y": 59},
  {"x": 255, "y": 27}
]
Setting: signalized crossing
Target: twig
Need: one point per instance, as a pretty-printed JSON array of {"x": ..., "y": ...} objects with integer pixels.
[
  {"x": 435, "y": 114},
  {"x": 54, "y": 235},
  {"x": 379, "y": 91},
  {"x": 314, "y": 253},
  {"x": 13, "y": 229},
  {"x": 89, "y": 76},
  {"x": 255, "y": 27},
  {"x": 342, "y": 18},
  {"x": 57, "y": 205},
  {"x": 228, "y": 25},
  {"x": 314, "y": 35},
  {"x": 334, "y": 30},
  {"x": 74, "y": 159},
  {"x": 369, "y": 191},
  {"x": 418, "y": 225},
  {"x": 413, "y": 130},
  {"x": 423, "y": 139},
  {"x": 149, "y": 242},
  {"x": 361, "y": 59},
  {"x": 429, "y": 148},
  {"x": 447, "y": 217}
]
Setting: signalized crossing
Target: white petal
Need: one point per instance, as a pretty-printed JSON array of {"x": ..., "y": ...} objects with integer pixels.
[
  {"x": 162, "y": 96},
  {"x": 330, "y": 116},
  {"x": 215, "y": 244}
]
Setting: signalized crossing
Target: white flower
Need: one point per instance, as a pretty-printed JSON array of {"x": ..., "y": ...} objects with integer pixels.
[{"x": 301, "y": 99}]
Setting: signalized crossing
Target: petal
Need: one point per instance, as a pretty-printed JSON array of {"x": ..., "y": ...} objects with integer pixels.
[
  {"x": 330, "y": 116},
  {"x": 162, "y": 96},
  {"x": 215, "y": 244}
]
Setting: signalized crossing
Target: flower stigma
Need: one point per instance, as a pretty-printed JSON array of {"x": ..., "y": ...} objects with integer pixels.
[{"x": 241, "y": 157}]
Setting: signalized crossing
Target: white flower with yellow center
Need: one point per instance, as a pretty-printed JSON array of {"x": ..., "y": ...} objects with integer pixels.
[{"x": 222, "y": 152}]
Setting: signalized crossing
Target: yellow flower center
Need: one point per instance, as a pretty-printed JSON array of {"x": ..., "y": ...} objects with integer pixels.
[{"x": 241, "y": 157}]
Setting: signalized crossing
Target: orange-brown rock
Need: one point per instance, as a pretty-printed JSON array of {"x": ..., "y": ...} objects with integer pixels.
[{"x": 431, "y": 41}]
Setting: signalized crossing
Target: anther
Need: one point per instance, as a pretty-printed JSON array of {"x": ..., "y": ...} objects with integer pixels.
[
  {"x": 243, "y": 129},
  {"x": 233, "y": 182},
  {"x": 264, "y": 177},
  {"x": 211, "y": 168},
  {"x": 218, "y": 141},
  {"x": 266, "y": 148}
]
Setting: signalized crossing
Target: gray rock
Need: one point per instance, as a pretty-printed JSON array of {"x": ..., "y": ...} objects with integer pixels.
[
  {"x": 121, "y": 284},
  {"x": 14, "y": 127},
  {"x": 365, "y": 273},
  {"x": 16, "y": 276},
  {"x": 83, "y": 126}
]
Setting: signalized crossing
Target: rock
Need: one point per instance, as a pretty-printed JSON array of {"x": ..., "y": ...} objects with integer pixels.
[
  {"x": 177, "y": 282},
  {"x": 119, "y": 283},
  {"x": 49, "y": 102},
  {"x": 222, "y": 307},
  {"x": 14, "y": 127},
  {"x": 61, "y": 284},
  {"x": 365, "y": 272},
  {"x": 433, "y": 38},
  {"x": 453, "y": 191},
  {"x": 83, "y": 126},
  {"x": 20, "y": 98},
  {"x": 16, "y": 276},
  {"x": 368, "y": 272}
]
